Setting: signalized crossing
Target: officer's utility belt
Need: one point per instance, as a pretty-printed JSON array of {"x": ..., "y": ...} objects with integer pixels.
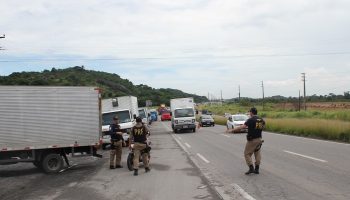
[
  {"x": 257, "y": 148},
  {"x": 115, "y": 141}
]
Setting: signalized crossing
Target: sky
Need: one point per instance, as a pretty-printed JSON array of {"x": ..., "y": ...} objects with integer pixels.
[{"x": 202, "y": 47}]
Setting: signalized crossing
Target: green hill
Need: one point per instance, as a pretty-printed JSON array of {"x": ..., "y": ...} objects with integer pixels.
[{"x": 112, "y": 85}]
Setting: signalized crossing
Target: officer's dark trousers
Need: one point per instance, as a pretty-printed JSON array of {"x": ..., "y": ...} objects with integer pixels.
[{"x": 116, "y": 154}]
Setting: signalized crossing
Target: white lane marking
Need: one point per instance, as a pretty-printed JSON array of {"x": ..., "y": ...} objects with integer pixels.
[
  {"x": 167, "y": 127},
  {"x": 305, "y": 138},
  {"x": 242, "y": 192},
  {"x": 189, "y": 146},
  {"x": 225, "y": 135},
  {"x": 304, "y": 156},
  {"x": 180, "y": 138},
  {"x": 181, "y": 145},
  {"x": 203, "y": 158}
]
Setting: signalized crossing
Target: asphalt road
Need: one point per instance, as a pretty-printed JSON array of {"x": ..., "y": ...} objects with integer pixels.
[
  {"x": 208, "y": 164},
  {"x": 173, "y": 176},
  {"x": 291, "y": 168}
]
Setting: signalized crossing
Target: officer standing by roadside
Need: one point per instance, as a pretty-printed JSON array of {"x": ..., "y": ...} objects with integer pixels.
[
  {"x": 116, "y": 144},
  {"x": 255, "y": 126},
  {"x": 139, "y": 135}
]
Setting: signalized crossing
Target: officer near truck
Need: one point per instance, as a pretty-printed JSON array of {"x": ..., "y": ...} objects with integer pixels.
[
  {"x": 116, "y": 144},
  {"x": 255, "y": 126}
]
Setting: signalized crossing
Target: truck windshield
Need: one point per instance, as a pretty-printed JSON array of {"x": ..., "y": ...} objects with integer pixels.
[
  {"x": 142, "y": 114},
  {"x": 186, "y": 112},
  {"x": 124, "y": 117}
]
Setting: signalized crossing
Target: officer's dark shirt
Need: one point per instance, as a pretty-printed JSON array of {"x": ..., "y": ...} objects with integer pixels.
[
  {"x": 113, "y": 128},
  {"x": 139, "y": 134},
  {"x": 255, "y": 126}
]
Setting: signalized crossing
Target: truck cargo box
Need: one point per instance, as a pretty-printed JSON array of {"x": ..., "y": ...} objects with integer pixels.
[{"x": 43, "y": 117}]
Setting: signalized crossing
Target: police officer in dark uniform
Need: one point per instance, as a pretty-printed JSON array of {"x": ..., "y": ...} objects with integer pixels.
[
  {"x": 116, "y": 144},
  {"x": 138, "y": 136},
  {"x": 255, "y": 126}
]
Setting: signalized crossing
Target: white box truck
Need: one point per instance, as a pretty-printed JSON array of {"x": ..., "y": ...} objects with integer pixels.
[
  {"x": 126, "y": 108},
  {"x": 43, "y": 125},
  {"x": 182, "y": 114}
]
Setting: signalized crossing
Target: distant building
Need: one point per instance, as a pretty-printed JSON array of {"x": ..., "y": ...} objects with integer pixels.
[{"x": 148, "y": 103}]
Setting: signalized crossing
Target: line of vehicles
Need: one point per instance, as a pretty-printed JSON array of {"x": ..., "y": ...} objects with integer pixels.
[{"x": 45, "y": 125}]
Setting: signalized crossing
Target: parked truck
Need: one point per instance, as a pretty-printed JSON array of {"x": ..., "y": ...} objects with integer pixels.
[
  {"x": 44, "y": 125},
  {"x": 126, "y": 108},
  {"x": 182, "y": 114}
]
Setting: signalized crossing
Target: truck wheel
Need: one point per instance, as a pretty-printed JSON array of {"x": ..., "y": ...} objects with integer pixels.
[
  {"x": 175, "y": 130},
  {"x": 52, "y": 163},
  {"x": 129, "y": 161},
  {"x": 194, "y": 130}
]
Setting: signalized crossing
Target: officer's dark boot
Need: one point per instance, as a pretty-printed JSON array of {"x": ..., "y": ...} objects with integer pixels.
[
  {"x": 256, "y": 169},
  {"x": 136, "y": 172},
  {"x": 147, "y": 169},
  {"x": 251, "y": 170}
]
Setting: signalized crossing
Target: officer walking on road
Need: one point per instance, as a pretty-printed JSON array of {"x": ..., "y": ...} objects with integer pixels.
[
  {"x": 116, "y": 144},
  {"x": 255, "y": 126},
  {"x": 139, "y": 135}
]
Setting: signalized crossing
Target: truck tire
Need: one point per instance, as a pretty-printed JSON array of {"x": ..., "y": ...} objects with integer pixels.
[
  {"x": 194, "y": 130},
  {"x": 52, "y": 163},
  {"x": 130, "y": 161},
  {"x": 175, "y": 130}
]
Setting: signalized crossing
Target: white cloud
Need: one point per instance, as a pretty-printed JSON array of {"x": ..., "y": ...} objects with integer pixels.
[{"x": 204, "y": 45}]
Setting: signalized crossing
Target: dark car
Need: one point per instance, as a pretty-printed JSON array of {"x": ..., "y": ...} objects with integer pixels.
[
  {"x": 206, "y": 120},
  {"x": 206, "y": 112}
]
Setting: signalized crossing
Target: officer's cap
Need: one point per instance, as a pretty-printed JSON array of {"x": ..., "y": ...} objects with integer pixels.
[{"x": 254, "y": 111}]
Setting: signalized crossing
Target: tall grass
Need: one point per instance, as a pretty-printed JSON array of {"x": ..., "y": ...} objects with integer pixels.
[
  {"x": 316, "y": 128},
  {"x": 270, "y": 112}
]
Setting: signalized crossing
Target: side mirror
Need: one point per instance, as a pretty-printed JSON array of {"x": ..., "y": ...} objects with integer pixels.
[
  {"x": 196, "y": 112},
  {"x": 134, "y": 116},
  {"x": 149, "y": 114}
]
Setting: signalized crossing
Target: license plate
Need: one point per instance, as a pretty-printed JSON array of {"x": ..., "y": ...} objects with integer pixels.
[{"x": 185, "y": 126}]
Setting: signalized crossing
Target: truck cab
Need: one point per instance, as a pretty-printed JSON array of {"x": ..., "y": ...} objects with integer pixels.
[
  {"x": 182, "y": 114},
  {"x": 126, "y": 109}
]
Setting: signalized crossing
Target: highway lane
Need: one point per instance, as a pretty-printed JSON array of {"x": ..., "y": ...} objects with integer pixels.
[
  {"x": 292, "y": 167},
  {"x": 173, "y": 177}
]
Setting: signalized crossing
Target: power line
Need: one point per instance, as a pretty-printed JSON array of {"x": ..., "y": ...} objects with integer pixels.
[{"x": 170, "y": 58}]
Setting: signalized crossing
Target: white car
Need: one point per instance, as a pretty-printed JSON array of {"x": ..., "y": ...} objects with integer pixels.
[{"x": 237, "y": 120}]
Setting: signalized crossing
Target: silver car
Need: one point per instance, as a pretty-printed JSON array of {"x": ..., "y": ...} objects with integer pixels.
[
  {"x": 206, "y": 120},
  {"x": 237, "y": 120}
]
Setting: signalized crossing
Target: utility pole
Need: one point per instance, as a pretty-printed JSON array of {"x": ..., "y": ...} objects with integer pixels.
[
  {"x": 221, "y": 96},
  {"x": 263, "y": 95},
  {"x": 299, "y": 102},
  {"x": 2, "y": 36},
  {"x": 303, "y": 79},
  {"x": 239, "y": 93}
]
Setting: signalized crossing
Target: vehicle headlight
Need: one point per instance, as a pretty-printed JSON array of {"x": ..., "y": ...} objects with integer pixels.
[{"x": 193, "y": 120}]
